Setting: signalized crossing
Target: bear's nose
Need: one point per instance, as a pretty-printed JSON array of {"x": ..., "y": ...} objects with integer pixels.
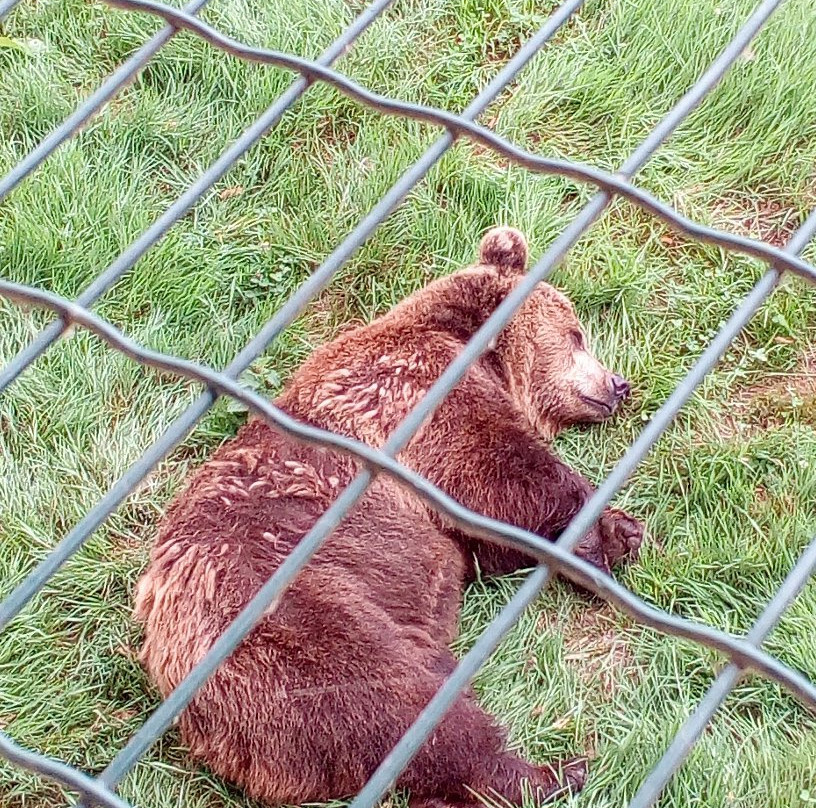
[{"x": 620, "y": 387}]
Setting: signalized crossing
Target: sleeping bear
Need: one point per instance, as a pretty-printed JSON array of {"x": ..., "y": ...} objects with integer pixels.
[{"x": 323, "y": 687}]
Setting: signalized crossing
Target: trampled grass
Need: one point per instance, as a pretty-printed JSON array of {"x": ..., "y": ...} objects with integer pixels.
[{"x": 728, "y": 494}]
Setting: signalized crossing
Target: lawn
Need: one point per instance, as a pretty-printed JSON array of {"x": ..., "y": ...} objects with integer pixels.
[{"x": 728, "y": 494}]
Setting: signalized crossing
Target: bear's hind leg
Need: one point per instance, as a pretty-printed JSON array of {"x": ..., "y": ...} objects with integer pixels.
[{"x": 466, "y": 756}]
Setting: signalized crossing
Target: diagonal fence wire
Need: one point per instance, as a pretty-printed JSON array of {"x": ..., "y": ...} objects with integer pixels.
[
  {"x": 560, "y": 558},
  {"x": 577, "y": 528},
  {"x": 744, "y": 653},
  {"x": 576, "y": 569},
  {"x": 282, "y": 319},
  {"x": 85, "y": 111},
  {"x": 20, "y": 596},
  {"x": 23, "y": 593},
  {"x": 322, "y": 276},
  {"x": 690, "y": 732},
  {"x": 251, "y": 135},
  {"x": 87, "y": 787},
  {"x": 5, "y": 8}
]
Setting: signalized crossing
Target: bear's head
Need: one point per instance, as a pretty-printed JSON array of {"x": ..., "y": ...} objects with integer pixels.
[{"x": 543, "y": 353}]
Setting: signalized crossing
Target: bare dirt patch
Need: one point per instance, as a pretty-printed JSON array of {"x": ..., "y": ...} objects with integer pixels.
[
  {"x": 769, "y": 403},
  {"x": 758, "y": 215},
  {"x": 594, "y": 647}
]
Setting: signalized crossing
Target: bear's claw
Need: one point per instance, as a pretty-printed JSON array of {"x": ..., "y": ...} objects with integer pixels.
[{"x": 622, "y": 536}]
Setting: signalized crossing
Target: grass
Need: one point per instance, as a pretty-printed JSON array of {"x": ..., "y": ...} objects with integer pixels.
[{"x": 727, "y": 494}]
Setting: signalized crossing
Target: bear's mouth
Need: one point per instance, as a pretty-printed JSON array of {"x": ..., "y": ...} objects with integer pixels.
[{"x": 603, "y": 406}]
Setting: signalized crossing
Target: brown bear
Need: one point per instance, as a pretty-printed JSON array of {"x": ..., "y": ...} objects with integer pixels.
[{"x": 322, "y": 688}]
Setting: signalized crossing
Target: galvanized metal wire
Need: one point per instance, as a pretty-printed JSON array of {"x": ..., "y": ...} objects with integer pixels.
[
  {"x": 6, "y": 6},
  {"x": 743, "y": 653}
]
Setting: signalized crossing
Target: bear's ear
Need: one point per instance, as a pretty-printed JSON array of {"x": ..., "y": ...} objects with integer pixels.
[{"x": 504, "y": 248}]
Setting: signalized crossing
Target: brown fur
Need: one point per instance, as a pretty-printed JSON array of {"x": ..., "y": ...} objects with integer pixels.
[{"x": 326, "y": 683}]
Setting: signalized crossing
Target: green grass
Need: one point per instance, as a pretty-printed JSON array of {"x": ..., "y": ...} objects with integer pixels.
[{"x": 727, "y": 494}]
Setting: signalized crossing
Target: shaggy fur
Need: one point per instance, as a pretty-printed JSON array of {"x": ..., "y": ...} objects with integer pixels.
[{"x": 325, "y": 684}]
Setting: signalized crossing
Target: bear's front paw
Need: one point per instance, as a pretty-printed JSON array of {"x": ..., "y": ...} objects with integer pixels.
[
  {"x": 591, "y": 549},
  {"x": 622, "y": 536}
]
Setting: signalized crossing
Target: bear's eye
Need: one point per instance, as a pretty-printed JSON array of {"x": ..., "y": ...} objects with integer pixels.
[{"x": 577, "y": 339}]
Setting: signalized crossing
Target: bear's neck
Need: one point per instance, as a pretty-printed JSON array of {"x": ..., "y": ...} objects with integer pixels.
[{"x": 458, "y": 304}]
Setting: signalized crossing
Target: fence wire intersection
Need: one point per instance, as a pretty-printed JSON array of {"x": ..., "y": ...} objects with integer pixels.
[{"x": 743, "y": 653}]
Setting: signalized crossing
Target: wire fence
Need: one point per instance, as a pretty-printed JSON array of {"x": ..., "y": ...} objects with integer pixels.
[{"x": 743, "y": 652}]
